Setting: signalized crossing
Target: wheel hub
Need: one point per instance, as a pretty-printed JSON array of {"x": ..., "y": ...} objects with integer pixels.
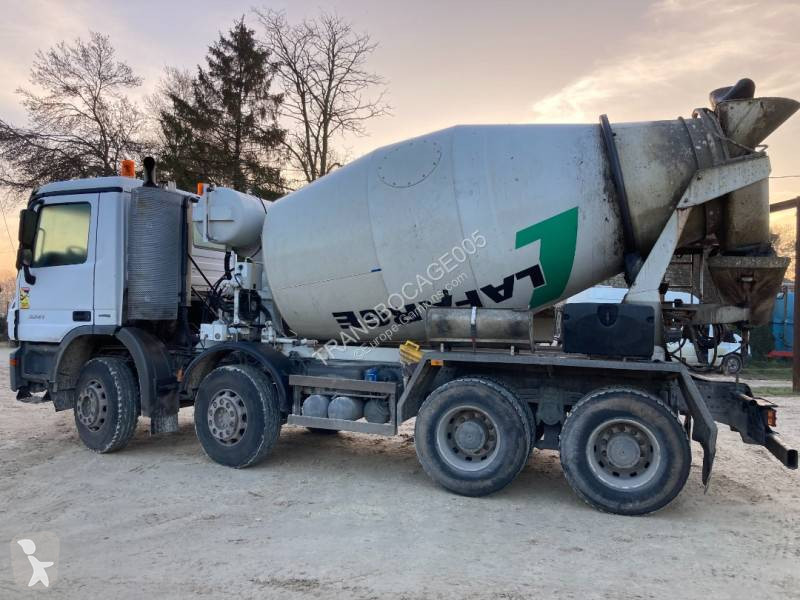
[
  {"x": 92, "y": 405},
  {"x": 227, "y": 417},
  {"x": 624, "y": 453},
  {"x": 467, "y": 438},
  {"x": 471, "y": 435}
]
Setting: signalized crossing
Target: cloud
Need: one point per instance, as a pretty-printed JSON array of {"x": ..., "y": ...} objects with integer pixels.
[{"x": 685, "y": 47}]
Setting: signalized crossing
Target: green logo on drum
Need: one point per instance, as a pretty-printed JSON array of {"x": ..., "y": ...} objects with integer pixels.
[{"x": 558, "y": 235}]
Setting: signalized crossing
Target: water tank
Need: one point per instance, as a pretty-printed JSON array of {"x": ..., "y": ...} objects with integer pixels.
[{"x": 229, "y": 218}]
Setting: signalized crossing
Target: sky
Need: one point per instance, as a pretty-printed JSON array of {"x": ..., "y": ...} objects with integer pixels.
[{"x": 448, "y": 62}]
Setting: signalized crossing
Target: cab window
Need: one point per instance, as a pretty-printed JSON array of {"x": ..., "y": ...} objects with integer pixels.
[{"x": 62, "y": 237}]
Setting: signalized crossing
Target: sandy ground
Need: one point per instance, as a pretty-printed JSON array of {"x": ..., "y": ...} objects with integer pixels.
[{"x": 353, "y": 516}]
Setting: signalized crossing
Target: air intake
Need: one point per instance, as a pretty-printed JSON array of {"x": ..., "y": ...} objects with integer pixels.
[{"x": 154, "y": 254}]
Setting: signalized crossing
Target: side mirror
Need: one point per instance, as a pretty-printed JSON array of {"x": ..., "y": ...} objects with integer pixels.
[
  {"x": 28, "y": 220},
  {"x": 24, "y": 258}
]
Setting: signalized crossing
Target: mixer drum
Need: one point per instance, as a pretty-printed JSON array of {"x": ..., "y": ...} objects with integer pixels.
[{"x": 505, "y": 216}]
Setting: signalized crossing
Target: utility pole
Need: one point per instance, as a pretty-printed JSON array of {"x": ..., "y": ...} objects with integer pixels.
[{"x": 794, "y": 203}]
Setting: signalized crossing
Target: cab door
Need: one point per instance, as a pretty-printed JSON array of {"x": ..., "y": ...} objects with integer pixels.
[{"x": 62, "y": 295}]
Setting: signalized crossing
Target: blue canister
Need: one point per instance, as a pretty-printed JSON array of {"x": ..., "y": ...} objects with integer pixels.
[{"x": 371, "y": 374}]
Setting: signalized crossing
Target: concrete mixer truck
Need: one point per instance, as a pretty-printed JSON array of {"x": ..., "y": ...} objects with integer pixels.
[{"x": 417, "y": 283}]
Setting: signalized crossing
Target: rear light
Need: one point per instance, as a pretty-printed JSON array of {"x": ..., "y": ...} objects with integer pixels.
[
  {"x": 13, "y": 362},
  {"x": 772, "y": 417}
]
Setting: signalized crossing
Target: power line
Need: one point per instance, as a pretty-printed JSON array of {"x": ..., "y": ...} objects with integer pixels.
[
  {"x": 784, "y": 176},
  {"x": 8, "y": 231}
]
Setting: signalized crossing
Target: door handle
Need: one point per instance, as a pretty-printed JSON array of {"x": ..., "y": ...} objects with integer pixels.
[{"x": 82, "y": 316}]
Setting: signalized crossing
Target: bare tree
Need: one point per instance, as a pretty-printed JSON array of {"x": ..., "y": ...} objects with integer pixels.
[
  {"x": 81, "y": 124},
  {"x": 783, "y": 240},
  {"x": 322, "y": 66},
  {"x": 176, "y": 83},
  {"x": 7, "y": 289}
]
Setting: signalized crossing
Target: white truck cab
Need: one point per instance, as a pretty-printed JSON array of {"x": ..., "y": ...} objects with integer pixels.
[
  {"x": 76, "y": 273},
  {"x": 76, "y": 277}
]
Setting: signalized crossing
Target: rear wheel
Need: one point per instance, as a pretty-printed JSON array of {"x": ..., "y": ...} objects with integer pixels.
[
  {"x": 624, "y": 451},
  {"x": 472, "y": 436},
  {"x": 236, "y": 415},
  {"x": 523, "y": 406},
  {"x": 107, "y": 404}
]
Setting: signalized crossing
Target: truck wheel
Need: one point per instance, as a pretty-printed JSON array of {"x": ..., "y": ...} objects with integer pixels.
[
  {"x": 236, "y": 415},
  {"x": 624, "y": 451},
  {"x": 732, "y": 363},
  {"x": 106, "y": 404},
  {"x": 472, "y": 436},
  {"x": 530, "y": 420}
]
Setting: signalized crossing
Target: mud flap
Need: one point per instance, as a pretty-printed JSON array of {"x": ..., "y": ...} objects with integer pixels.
[
  {"x": 158, "y": 385},
  {"x": 705, "y": 429}
]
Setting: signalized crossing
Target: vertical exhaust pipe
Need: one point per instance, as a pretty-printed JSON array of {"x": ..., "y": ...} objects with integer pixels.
[{"x": 149, "y": 164}]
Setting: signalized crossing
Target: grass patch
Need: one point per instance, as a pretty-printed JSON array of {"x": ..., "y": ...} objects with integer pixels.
[
  {"x": 774, "y": 391},
  {"x": 768, "y": 370}
]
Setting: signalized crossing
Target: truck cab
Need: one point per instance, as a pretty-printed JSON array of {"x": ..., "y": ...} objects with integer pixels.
[
  {"x": 75, "y": 277},
  {"x": 70, "y": 271},
  {"x": 72, "y": 283}
]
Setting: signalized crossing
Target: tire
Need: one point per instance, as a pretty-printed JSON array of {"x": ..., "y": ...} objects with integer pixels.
[
  {"x": 526, "y": 409},
  {"x": 530, "y": 421},
  {"x": 732, "y": 364},
  {"x": 106, "y": 405},
  {"x": 624, "y": 451},
  {"x": 472, "y": 436},
  {"x": 236, "y": 415}
]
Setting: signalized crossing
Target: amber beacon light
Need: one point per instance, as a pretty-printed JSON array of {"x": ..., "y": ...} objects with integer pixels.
[{"x": 128, "y": 168}]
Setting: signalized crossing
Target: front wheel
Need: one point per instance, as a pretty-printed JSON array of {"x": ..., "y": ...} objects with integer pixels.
[
  {"x": 236, "y": 415},
  {"x": 107, "y": 404},
  {"x": 624, "y": 451}
]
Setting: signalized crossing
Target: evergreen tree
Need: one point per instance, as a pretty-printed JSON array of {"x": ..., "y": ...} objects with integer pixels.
[{"x": 225, "y": 130}]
